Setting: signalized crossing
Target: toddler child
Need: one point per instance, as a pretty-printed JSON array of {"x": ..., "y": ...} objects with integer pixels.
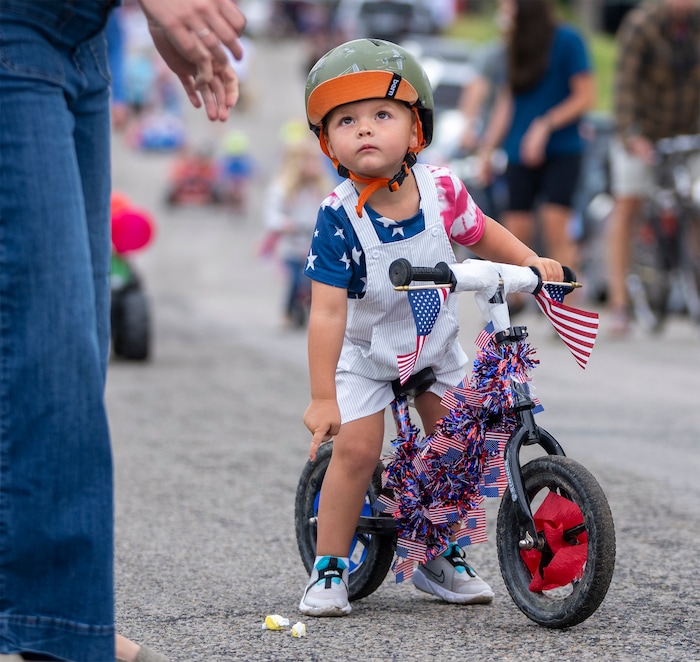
[{"x": 371, "y": 106}]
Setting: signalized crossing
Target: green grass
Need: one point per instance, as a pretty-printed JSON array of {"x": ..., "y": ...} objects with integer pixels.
[{"x": 602, "y": 47}]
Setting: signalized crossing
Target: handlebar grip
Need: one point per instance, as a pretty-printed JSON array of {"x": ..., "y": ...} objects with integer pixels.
[
  {"x": 402, "y": 272},
  {"x": 569, "y": 275}
]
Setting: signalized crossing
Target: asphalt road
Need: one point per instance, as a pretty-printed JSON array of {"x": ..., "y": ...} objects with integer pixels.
[{"x": 209, "y": 445}]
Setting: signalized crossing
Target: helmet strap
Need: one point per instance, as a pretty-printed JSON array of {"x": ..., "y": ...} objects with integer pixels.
[{"x": 376, "y": 183}]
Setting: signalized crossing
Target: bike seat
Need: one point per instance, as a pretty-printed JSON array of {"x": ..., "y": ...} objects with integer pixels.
[{"x": 416, "y": 384}]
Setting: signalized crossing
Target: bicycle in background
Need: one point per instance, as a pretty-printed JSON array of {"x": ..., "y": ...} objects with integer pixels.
[{"x": 665, "y": 269}]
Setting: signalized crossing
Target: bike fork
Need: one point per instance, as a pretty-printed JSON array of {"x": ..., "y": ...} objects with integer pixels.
[{"x": 527, "y": 433}]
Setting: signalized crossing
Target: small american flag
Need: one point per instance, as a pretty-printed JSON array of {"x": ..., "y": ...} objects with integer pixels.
[
  {"x": 495, "y": 480},
  {"x": 474, "y": 530},
  {"x": 403, "y": 569},
  {"x": 443, "y": 515},
  {"x": 384, "y": 504},
  {"x": 457, "y": 397},
  {"x": 442, "y": 444},
  {"x": 425, "y": 306},
  {"x": 577, "y": 328},
  {"x": 484, "y": 338},
  {"x": 495, "y": 441},
  {"x": 421, "y": 467},
  {"x": 410, "y": 549}
]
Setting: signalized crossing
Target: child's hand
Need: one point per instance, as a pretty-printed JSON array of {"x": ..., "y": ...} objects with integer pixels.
[
  {"x": 549, "y": 269},
  {"x": 322, "y": 418}
]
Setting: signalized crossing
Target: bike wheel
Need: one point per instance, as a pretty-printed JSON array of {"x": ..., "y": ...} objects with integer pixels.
[
  {"x": 370, "y": 554},
  {"x": 566, "y": 478},
  {"x": 689, "y": 267},
  {"x": 131, "y": 324},
  {"x": 649, "y": 281}
]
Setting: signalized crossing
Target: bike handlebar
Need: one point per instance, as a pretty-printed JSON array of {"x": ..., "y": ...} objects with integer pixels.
[
  {"x": 402, "y": 272},
  {"x": 473, "y": 276},
  {"x": 682, "y": 144}
]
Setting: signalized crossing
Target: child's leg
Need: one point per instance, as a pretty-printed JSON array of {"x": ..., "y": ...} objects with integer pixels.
[
  {"x": 449, "y": 576},
  {"x": 356, "y": 451},
  {"x": 430, "y": 410}
]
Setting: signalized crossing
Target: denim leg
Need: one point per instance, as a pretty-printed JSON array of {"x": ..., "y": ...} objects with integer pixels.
[{"x": 56, "y": 510}]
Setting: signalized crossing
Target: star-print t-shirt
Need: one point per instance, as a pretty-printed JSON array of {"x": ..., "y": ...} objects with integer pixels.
[{"x": 336, "y": 257}]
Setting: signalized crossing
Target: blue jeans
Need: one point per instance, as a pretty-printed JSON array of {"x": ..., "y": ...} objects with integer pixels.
[{"x": 56, "y": 505}]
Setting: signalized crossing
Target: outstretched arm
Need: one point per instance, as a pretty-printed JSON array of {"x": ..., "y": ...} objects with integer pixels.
[{"x": 499, "y": 245}]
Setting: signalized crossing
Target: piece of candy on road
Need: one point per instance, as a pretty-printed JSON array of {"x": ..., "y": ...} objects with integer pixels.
[{"x": 275, "y": 622}]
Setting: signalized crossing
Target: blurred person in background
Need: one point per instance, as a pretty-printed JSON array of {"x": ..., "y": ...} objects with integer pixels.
[
  {"x": 657, "y": 95},
  {"x": 536, "y": 116},
  {"x": 479, "y": 94},
  {"x": 56, "y": 488},
  {"x": 293, "y": 198},
  {"x": 476, "y": 104}
]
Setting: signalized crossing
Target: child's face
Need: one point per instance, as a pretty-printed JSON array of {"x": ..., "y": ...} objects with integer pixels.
[{"x": 371, "y": 137}]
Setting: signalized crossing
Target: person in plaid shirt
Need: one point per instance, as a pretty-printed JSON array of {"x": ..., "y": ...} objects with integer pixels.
[{"x": 657, "y": 95}]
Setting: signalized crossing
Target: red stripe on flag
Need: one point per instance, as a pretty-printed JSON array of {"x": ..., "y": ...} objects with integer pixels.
[
  {"x": 411, "y": 549},
  {"x": 577, "y": 328}
]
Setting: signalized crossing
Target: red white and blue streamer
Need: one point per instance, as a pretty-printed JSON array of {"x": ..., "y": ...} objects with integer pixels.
[{"x": 443, "y": 479}]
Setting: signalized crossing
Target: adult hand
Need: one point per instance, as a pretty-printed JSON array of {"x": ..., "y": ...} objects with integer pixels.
[
  {"x": 470, "y": 136},
  {"x": 534, "y": 142},
  {"x": 485, "y": 174},
  {"x": 219, "y": 94},
  {"x": 642, "y": 148},
  {"x": 201, "y": 30}
]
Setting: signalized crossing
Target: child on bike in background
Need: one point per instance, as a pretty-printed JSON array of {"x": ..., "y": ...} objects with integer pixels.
[
  {"x": 371, "y": 106},
  {"x": 293, "y": 197}
]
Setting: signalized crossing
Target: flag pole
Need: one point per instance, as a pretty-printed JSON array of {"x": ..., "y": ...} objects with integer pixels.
[
  {"x": 432, "y": 286},
  {"x": 573, "y": 284}
]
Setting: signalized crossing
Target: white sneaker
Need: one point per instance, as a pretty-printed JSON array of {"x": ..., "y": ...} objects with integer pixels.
[
  {"x": 327, "y": 591},
  {"x": 451, "y": 578}
]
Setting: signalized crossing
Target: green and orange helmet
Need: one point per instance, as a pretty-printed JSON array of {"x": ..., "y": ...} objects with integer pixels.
[{"x": 370, "y": 69}]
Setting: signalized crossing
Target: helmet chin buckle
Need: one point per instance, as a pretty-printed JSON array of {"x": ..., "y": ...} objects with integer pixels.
[
  {"x": 375, "y": 183},
  {"x": 408, "y": 162},
  {"x": 392, "y": 184}
]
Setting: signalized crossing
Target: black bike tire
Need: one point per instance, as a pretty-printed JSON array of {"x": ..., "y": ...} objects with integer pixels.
[
  {"x": 651, "y": 267},
  {"x": 131, "y": 325},
  {"x": 570, "y": 477},
  {"x": 368, "y": 575},
  {"x": 689, "y": 265}
]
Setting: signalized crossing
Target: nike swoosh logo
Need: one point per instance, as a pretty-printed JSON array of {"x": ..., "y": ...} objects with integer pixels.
[{"x": 440, "y": 579}]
